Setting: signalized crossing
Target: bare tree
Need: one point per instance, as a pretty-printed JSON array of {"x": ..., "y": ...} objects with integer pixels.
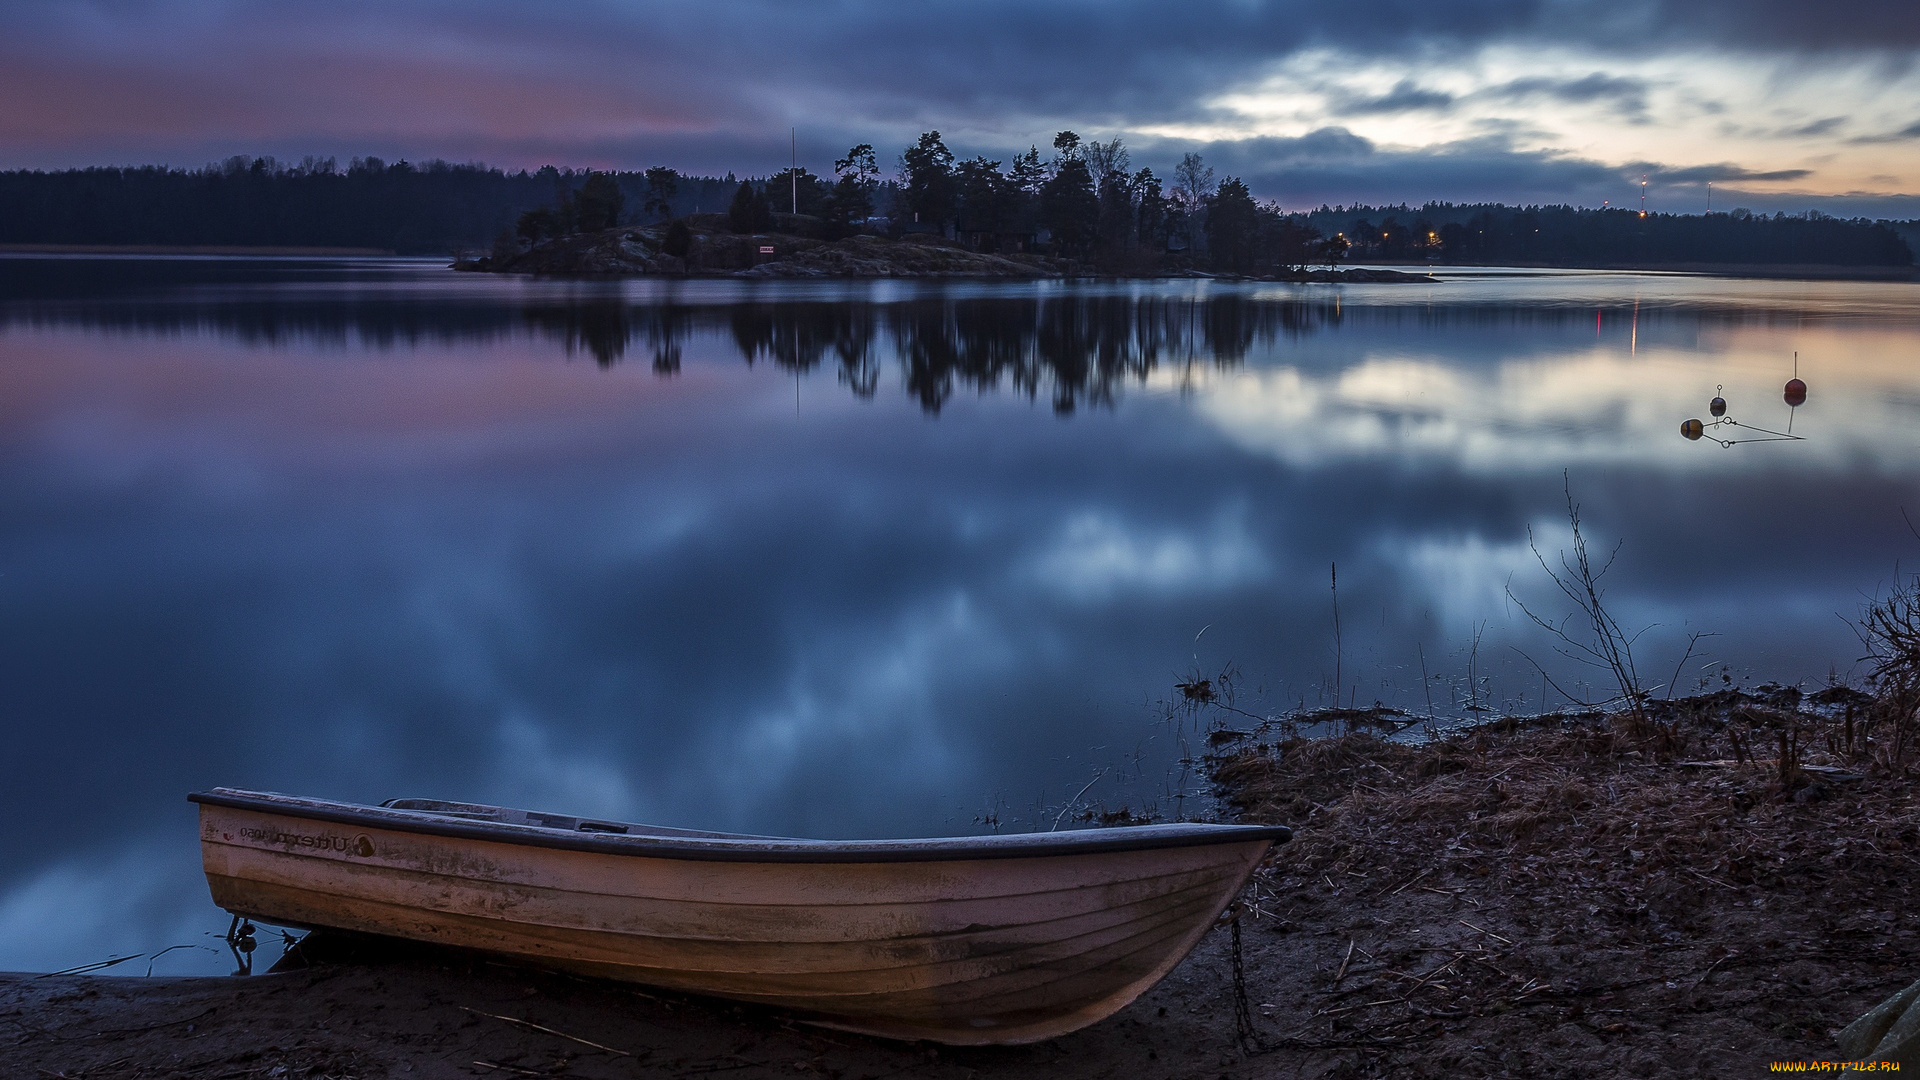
[
  {"x": 1605, "y": 644},
  {"x": 1192, "y": 183},
  {"x": 1890, "y": 630},
  {"x": 1104, "y": 159}
]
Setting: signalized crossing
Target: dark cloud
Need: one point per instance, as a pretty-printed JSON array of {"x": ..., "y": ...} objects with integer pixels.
[
  {"x": 747, "y": 65},
  {"x": 1404, "y": 97},
  {"x": 1911, "y": 131},
  {"x": 1594, "y": 87},
  {"x": 715, "y": 87},
  {"x": 1784, "y": 25},
  {"x": 1824, "y": 126},
  {"x": 727, "y": 66},
  {"x": 1628, "y": 95},
  {"x": 1701, "y": 174},
  {"x": 1333, "y": 165}
]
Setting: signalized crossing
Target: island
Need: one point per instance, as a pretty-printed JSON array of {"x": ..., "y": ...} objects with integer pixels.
[{"x": 704, "y": 245}]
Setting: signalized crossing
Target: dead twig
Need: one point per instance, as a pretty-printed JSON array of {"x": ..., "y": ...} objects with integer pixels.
[
  {"x": 548, "y": 1030},
  {"x": 1701, "y": 981},
  {"x": 1075, "y": 800},
  {"x": 1342, "y": 973},
  {"x": 1692, "y": 640},
  {"x": 1715, "y": 881},
  {"x": 1495, "y": 968},
  {"x": 510, "y": 1069},
  {"x": 1483, "y": 930},
  {"x": 1606, "y": 644},
  {"x": 95, "y": 966},
  {"x": 1431, "y": 975},
  {"x": 1365, "y": 1005},
  {"x": 1416, "y": 878}
]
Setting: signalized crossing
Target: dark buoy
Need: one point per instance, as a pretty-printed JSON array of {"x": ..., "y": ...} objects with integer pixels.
[
  {"x": 1692, "y": 429},
  {"x": 1718, "y": 406},
  {"x": 1796, "y": 394}
]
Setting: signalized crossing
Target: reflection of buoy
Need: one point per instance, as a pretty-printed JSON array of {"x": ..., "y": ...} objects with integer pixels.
[
  {"x": 1718, "y": 406},
  {"x": 1692, "y": 429},
  {"x": 1796, "y": 394}
]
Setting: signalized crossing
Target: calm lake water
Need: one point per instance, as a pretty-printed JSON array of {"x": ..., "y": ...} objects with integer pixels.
[{"x": 853, "y": 559}]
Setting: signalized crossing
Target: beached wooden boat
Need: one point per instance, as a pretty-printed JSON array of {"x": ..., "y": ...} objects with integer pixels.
[{"x": 968, "y": 940}]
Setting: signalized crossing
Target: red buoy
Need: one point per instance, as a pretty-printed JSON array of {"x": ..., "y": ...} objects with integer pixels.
[{"x": 1796, "y": 394}]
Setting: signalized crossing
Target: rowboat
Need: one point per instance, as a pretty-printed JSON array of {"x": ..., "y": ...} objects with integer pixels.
[{"x": 963, "y": 940}]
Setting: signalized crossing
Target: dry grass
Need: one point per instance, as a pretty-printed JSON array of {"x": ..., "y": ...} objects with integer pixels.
[{"x": 1589, "y": 896}]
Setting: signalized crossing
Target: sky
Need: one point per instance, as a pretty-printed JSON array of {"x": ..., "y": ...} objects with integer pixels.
[{"x": 1778, "y": 104}]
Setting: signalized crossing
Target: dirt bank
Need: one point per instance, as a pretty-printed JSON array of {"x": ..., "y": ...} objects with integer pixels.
[
  {"x": 1582, "y": 896},
  {"x": 428, "y": 1014}
]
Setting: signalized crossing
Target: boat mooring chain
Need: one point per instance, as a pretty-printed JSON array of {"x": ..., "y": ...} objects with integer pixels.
[
  {"x": 240, "y": 941},
  {"x": 1244, "y": 1032}
]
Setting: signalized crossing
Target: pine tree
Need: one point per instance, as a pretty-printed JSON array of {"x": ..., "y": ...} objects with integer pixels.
[
  {"x": 1070, "y": 208},
  {"x": 1233, "y": 220},
  {"x": 749, "y": 212},
  {"x": 598, "y": 204}
]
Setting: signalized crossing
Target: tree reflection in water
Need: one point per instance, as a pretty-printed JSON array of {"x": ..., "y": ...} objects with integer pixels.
[{"x": 1077, "y": 350}]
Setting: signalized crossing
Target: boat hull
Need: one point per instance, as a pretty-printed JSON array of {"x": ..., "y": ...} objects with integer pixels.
[{"x": 974, "y": 949}]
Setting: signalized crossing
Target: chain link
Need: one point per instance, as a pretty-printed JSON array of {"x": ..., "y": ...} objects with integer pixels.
[{"x": 1244, "y": 1032}]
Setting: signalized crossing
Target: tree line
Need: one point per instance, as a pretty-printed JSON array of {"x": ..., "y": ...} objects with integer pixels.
[
  {"x": 433, "y": 207},
  {"x": 1493, "y": 234},
  {"x": 1083, "y": 202}
]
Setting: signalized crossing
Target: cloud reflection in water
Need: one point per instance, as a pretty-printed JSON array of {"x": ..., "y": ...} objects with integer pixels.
[{"x": 367, "y": 532}]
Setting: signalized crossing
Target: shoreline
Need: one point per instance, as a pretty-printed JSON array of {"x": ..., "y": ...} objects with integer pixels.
[
  {"x": 1378, "y": 271},
  {"x": 1722, "y": 884},
  {"x": 714, "y": 252},
  {"x": 1576, "y": 895},
  {"x": 1769, "y": 271},
  {"x": 385, "y": 1009},
  {"x": 189, "y": 249}
]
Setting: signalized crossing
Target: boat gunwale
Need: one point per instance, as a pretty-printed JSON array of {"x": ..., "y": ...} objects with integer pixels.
[{"x": 760, "y": 850}]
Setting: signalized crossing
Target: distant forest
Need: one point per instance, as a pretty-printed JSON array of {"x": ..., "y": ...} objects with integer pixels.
[
  {"x": 1083, "y": 202},
  {"x": 1490, "y": 234},
  {"x": 427, "y": 209}
]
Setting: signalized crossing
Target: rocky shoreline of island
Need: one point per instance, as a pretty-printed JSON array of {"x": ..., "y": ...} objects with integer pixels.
[{"x": 702, "y": 246}]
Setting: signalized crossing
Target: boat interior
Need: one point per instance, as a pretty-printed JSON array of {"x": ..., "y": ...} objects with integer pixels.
[{"x": 506, "y": 815}]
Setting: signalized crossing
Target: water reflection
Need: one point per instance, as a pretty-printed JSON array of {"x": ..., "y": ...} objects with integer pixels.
[
  {"x": 1076, "y": 349},
  {"x": 361, "y": 529}
]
